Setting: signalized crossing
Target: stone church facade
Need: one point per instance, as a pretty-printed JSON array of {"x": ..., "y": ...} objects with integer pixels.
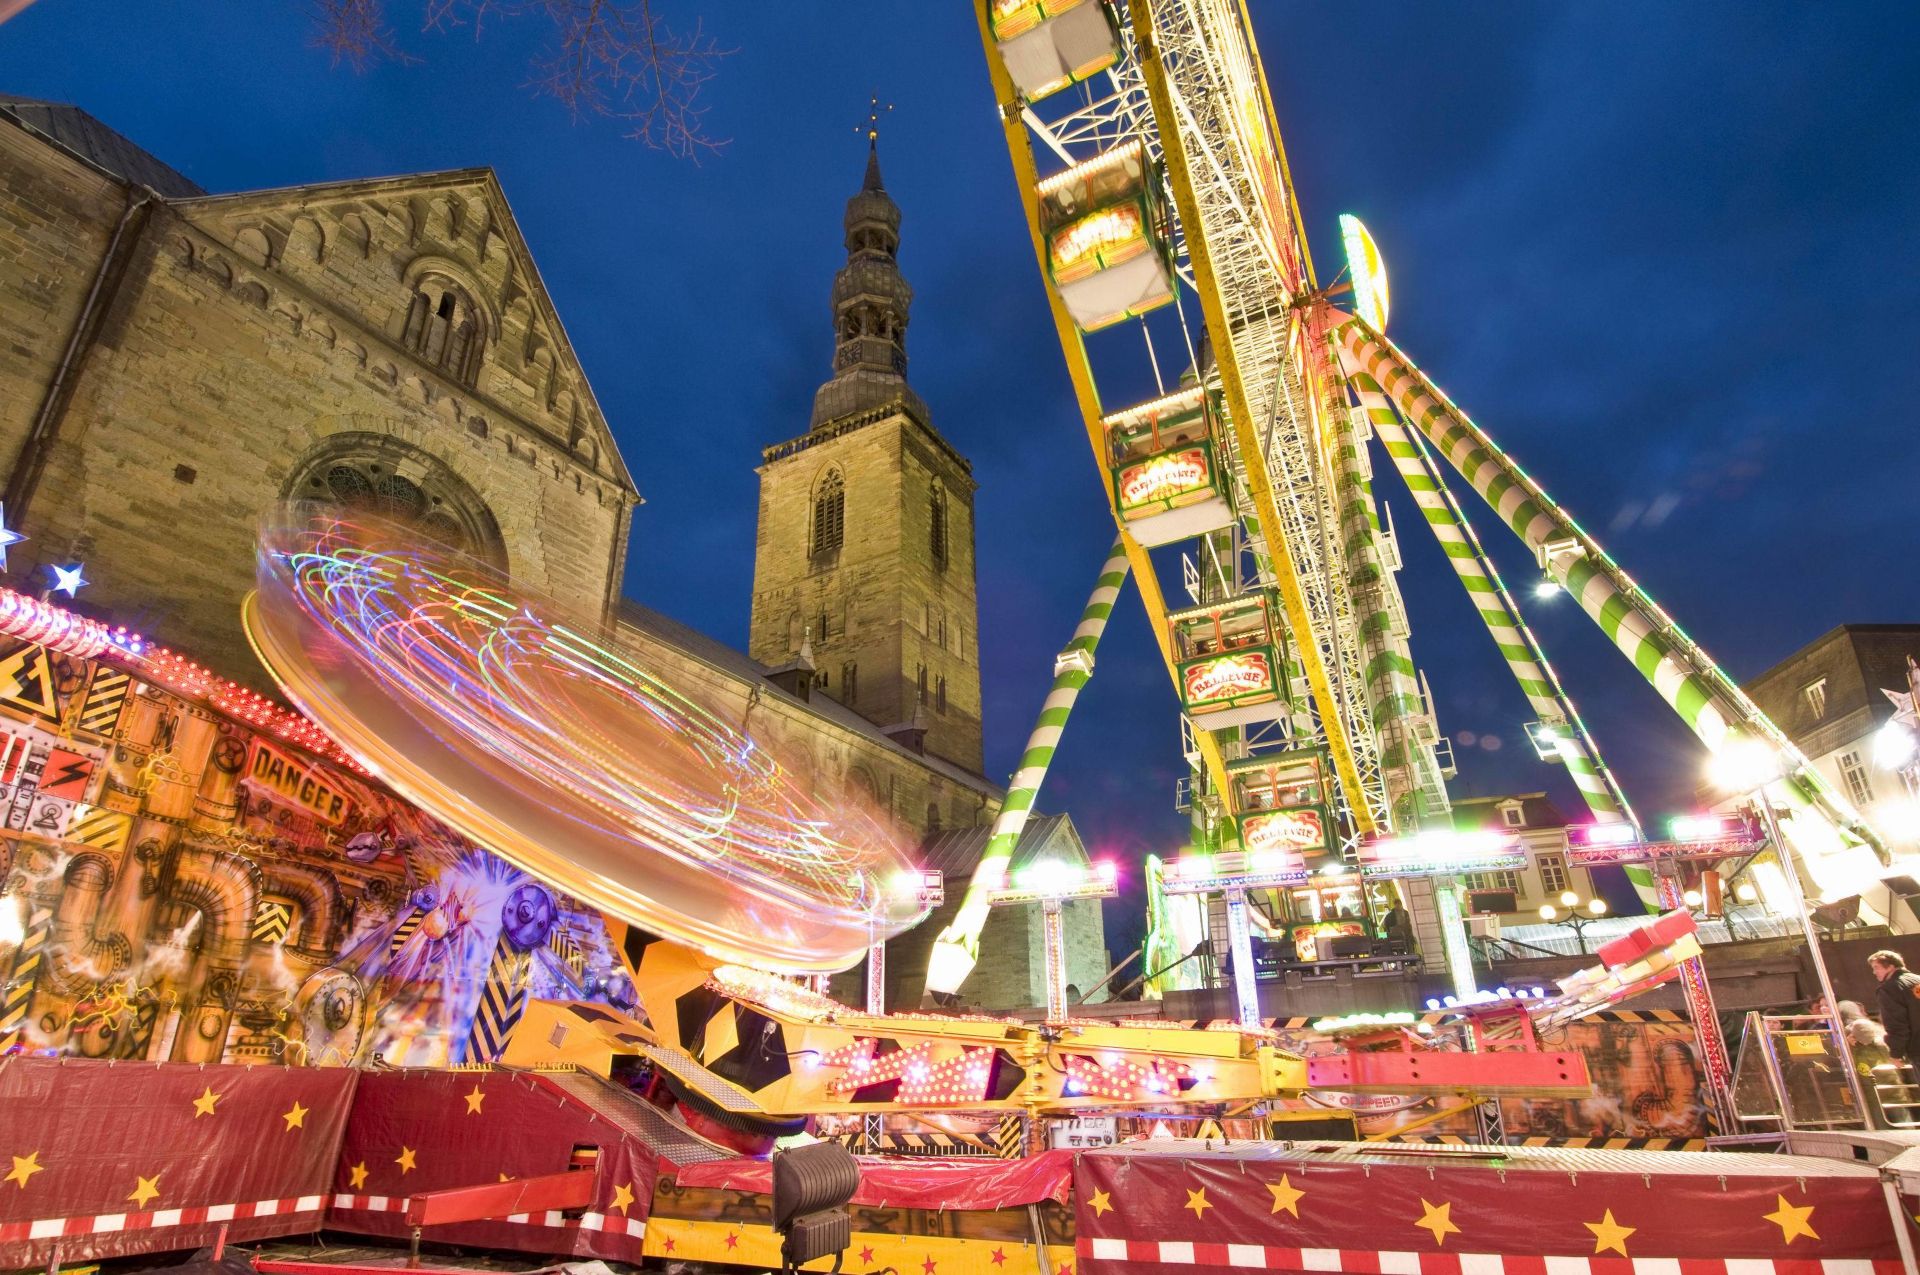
[{"x": 177, "y": 362}]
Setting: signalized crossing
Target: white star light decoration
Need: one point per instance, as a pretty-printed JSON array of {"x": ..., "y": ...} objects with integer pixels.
[
  {"x": 68, "y": 580},
  {"x": 8, "y": 537}
]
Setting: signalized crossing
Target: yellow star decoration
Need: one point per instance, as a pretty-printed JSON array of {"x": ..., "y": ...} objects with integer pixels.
[
  {"x": 1198, "y": 1202},
  {"x": 1609, "y": 1234},
  {"x": 24, "y": 1167},
  {"x": 1285, "y": 1195},
  {"x": 357, "y": 1175},
  {"x": 1438, "y": 1218},
  {"x": 1793, "y": 1221},
  {"x": 1101, "y": 1203},
  {"x": 405, "y": 1160},
  {"x": 295, "y": 1116},
  {"x": 474, "y": 1099},
  {"x": 203, "y": 1105},
  {"x": 622, "y": 1197},
  {"x": 146, "y": 1189}
]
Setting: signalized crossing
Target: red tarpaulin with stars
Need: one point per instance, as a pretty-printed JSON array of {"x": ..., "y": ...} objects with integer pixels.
[
  {"x": 1173, "y": 1206},
  {"x": 117, "y": 1159},
  {"x": 414, "y": 1131},
  {"x": 959, "y": 1184}
]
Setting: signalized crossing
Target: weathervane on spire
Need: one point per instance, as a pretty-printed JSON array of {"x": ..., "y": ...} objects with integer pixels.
[{"x": 874, "y": 112}]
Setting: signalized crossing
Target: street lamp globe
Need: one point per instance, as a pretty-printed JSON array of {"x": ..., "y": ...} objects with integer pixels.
[
  {"x": 1692, "y": 898},
  {"x": 1745, "y": 892},
  {"x": 1568, "y": 899},
  {"x": 1743, "y": 764},
  {"x": 1546, "y": 912},
  {"x": 1597, "y": 906},
  {"x": 1894, "y": 745}
]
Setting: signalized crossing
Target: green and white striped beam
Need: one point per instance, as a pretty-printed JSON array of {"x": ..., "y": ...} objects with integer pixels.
[
  {"x": 1393, "y": 684},
  {"x": 1497, "y": 610},
  {"x": 1711, "y": 704},
  {"x": 958, "y": 946}
]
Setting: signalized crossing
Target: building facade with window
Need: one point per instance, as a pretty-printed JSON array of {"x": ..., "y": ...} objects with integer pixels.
[
  {"x": 1829, "y": 697},
  {"x": 865, "y": 550},
  {"x": 1515, "y": 896}
]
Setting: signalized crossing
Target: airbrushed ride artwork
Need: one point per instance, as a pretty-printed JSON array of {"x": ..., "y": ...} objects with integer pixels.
[{"x": 178, "y": 884}]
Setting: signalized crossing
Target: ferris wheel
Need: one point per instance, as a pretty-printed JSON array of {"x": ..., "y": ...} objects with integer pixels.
[{"x": 1163, "y": 219}]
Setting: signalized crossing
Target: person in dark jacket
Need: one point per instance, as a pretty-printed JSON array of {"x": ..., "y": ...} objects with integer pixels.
[{"x": 1899, "y": 1004}]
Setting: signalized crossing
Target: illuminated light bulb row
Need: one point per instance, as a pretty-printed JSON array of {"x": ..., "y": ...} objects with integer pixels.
[
  {"x": 950, "y": 1082},
  {"x": 1124, "y": 1080},
  {"x": 185, "y": 677},
  {"x": 773, "y": 992},
  {"x": 1485, "y": 997},
  {"x": 44, "y": 624}
]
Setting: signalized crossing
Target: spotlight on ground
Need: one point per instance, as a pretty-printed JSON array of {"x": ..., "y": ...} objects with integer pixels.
[{"x": 811, "y": 1188}]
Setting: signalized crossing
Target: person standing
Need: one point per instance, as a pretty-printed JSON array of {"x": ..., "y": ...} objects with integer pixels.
[{"x": 1899, "y": 1004}]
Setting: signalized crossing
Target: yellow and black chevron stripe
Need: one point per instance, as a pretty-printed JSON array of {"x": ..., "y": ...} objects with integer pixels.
[
  {"x": 17, "y": 993},
  {"x": 502, "y": 1001},
  {"x": 569, "y": 952},
  {"x": 106, "y": 695},
  {"x": 102, "y": 829},
  {"x": 404, "y": 932},
  {"x": 271, "y": 921},
  {"x": 1010, "y": 1139}
]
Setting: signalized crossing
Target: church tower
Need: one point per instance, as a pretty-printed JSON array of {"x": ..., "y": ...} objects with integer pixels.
[{"x": 865, "y": 548}]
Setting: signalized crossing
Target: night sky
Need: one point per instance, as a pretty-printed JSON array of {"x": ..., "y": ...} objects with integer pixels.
[{"x": 1663, "y": 253}]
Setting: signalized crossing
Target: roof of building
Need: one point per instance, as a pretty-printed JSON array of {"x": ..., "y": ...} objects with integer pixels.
[
  {"x": 957, "y": 851},
  {"x": 741, "y": 665},
  {"x": 74, "y": 130},
  {"x": 1536, "y": 809}
]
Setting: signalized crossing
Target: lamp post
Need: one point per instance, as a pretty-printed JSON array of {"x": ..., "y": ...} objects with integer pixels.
[
  {"x": 1579, "y": 916},
  {"x": 1051, "y": 883},
  {"x": 1744, "y": 767}
]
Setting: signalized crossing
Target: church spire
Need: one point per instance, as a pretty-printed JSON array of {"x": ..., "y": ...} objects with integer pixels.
[{"x": 870, "y": 303}]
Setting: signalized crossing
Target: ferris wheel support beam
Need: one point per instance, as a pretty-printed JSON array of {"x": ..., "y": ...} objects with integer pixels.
[
  {"x": 958, "y": 947},
  {"x": 1080, "y": 373},
  {"x": 1711, "y": 704},
  {"x": 1259, "y": 484},
  {"x": 1496, "y": 607}
]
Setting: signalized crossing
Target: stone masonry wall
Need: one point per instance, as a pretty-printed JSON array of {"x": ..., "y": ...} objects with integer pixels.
[{"x": 250, "y": 335}]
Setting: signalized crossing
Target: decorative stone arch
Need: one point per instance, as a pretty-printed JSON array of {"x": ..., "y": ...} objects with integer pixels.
[
  {"x": 376, "y": 473},
  {"x": 450, "y": 316}
]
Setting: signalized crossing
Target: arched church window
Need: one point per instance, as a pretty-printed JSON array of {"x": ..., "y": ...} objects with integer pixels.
[
  {"x": 937, "y": 528},
  {"x": 445, "y": 328},
  {"x": 394, "y": 481},
  {"x": 830, "y": 513},
  {"x": 940, "y": 695}
]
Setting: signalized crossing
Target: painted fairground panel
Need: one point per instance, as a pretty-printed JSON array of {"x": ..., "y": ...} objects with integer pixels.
[
  {"x": 178, "y": 886},
  {"x": 1647, "y": 1084}
]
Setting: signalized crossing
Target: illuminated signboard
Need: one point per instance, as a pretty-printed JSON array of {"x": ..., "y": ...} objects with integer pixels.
[
  {"x": 1367, "y": 270},
  {"x": 1227, "y": 680},
  {"x": 1284, "y": 831},
  {"x": 1251, "y": 870},
  {"x": 1166, "y": 480}
]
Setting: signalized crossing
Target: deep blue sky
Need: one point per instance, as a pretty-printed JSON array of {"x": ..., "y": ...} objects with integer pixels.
[{"x": 1664, "y": 253}]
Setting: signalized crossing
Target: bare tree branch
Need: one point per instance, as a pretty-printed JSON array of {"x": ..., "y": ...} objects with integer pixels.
[
  {"x": 615, "y": 59},
  {"x": 355, "y": 32}
]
